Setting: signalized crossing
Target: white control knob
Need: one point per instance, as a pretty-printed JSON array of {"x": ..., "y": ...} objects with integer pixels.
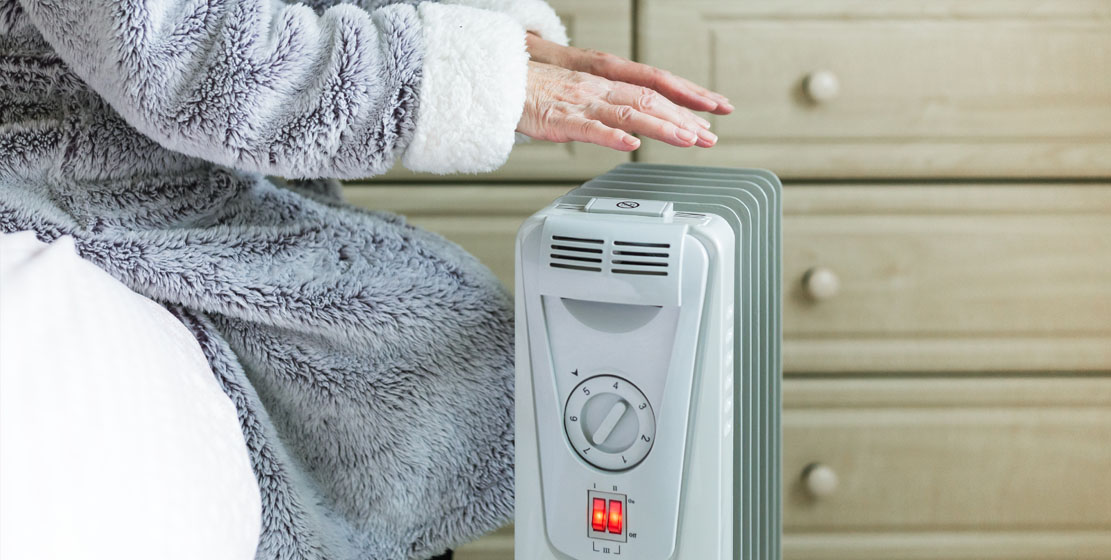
[
  {"x": 821, "y": 283},
  {"x": 610, "y": 423},
  {"x": 821, "y": 86},
  {"x": 821, "y": 481}
]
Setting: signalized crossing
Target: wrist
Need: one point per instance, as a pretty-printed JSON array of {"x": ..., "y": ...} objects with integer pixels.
[{"x": 472, "y": 90}]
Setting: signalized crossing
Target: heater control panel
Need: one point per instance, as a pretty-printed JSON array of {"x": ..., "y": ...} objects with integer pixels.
[{"x": 609, "y": 422}]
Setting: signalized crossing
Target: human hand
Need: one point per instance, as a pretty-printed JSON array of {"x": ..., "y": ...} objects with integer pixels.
[
  {"x": 677, "y": 89},
  {"x": 588, "y": 96}
]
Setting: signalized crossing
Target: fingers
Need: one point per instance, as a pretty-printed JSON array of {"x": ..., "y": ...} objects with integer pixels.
[
  {"x": 577, "y": 128},
  {"x": 548, "y": 52},
  {"x": 677, "y": 89},
  {"x": 563, "y": 105},
  {"x": 682, "y": 91},
  {"x": 627, "y": 118},
  {"x": 724, "y": 106},
  {"x": 649, "y": 102}
]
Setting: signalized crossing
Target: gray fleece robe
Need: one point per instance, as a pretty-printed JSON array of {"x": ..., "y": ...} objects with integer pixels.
[{"x": 370, "y": 362}]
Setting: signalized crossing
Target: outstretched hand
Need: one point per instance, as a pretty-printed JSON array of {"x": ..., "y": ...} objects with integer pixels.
[{"x": 590, "y": 96}]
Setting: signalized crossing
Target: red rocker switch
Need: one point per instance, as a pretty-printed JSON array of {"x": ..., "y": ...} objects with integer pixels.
[
  {"x": 615, "y": 517},
  {"x": 598, "y": 515}
]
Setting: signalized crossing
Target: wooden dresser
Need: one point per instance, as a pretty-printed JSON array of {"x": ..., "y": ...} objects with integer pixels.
[{"x": 947, "y": 254}]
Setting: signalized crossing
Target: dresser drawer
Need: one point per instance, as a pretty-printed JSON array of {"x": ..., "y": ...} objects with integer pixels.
[
  {"x": 895, "y": 88},
  {"x": 947, "y": 468},
  {"x": 947, "y": 278},
  {"x": 606, "y": 26}
]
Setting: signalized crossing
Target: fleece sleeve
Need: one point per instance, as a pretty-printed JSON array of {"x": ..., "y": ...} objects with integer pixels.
[
  {"x": 277, "y": 88},
  {"x": 534, "y": 15}
]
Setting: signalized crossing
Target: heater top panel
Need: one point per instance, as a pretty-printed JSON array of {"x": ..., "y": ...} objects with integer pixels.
[{"x": 629, "y": 259}]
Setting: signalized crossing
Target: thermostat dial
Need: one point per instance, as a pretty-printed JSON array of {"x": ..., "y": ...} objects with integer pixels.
[{"x": 609, "y": 422}]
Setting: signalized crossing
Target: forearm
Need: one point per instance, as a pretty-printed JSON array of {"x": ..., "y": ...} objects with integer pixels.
[
  {"x": 275, "y": 88},
  {"x": 534, "y": 15}
]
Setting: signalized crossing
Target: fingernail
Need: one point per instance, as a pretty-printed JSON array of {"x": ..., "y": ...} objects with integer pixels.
[
  {"x": 703, "y": 122},
  {"x": 632, "y": 140},
  {"x": 708, "y": 136},
  {"x": 727, "y": 105},
  {"x": 685, "y": 135}
]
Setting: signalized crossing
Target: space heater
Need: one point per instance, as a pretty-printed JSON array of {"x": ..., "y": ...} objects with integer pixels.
[{"x": 648, "y": 368}]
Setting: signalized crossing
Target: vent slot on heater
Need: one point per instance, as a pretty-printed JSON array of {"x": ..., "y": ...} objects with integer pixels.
[
  {"x": 635, "y": 257},
  {"x": 576, "y": 253},
  {"x": 625, "y": 257}
]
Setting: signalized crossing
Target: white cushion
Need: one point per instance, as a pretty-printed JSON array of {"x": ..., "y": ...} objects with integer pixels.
[{"x": 115, "y": 439}]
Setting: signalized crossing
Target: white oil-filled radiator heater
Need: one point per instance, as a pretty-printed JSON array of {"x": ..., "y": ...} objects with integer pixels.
[{"x": 648, "y": 368}]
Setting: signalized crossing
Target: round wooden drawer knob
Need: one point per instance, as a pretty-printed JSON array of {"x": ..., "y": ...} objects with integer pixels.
[
  {"x": 822, "y": 86},
  {"x": 821, "y": 283},
  {"x": 820, "y": 480}
]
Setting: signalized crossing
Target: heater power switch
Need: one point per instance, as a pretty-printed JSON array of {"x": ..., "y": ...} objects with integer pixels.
[
  {"x": 606, "y": 516},
  {"x": 598, "y": 512}
]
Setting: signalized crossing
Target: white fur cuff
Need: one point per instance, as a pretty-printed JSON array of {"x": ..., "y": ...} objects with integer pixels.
[
  {"x": 534, "y": 15},
  {"x": 472, "y": 91}
]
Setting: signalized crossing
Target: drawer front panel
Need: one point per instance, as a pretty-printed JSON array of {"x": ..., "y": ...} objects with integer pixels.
[
  {"x": 947, "y": 454},
  {"x": 605, "y": 26},
  {"x": 947, "y": 278},
  {"x": 929, "y": 278},
  {"x": 881, "y": 88}
]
